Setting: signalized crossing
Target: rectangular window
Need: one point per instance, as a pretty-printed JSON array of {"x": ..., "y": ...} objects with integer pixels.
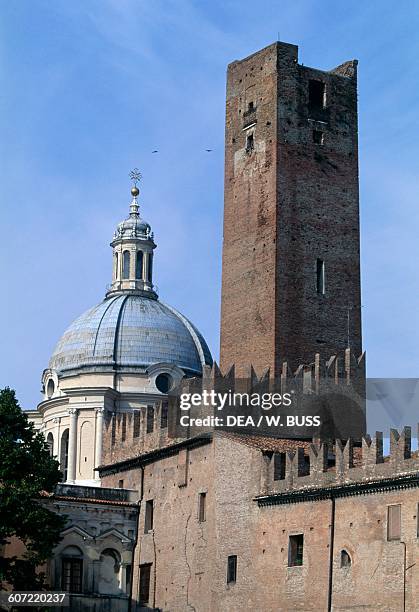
[
  {"x": 121, "y": 484},
  {"x": 137, "y": 424},
  {"x": 295, "y": 550},
  {"x": 71, "y": 576},
  {"x": 316, "y": 94},
  {"x": 202, "y": 507},
  {"x": 128, "y": 573},
  {"x": 320, "y": 277},
  {"x": 148, "y": 520},
  {"x": 164, "y": 414},
  {"x": 279, "y": 466},
  {"x": 250, "y": 143},
  {"x": 145, "y": 571},
  {"x": 231, "y": 569},
  {"x": 394, "y": 523},
  {"x": 318, "y": 137},
  {"x": 150, "y": 419}
]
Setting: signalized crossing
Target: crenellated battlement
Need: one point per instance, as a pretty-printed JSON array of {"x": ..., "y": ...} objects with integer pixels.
[{"x": 324, "y": 464}]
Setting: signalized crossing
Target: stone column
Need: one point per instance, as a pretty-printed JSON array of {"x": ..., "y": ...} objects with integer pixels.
[
  {"x": 72, "y": 445},
  {"x": 99, "y": 438}
]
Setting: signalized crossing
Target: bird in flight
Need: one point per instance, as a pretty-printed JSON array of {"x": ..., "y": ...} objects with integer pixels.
[
  {"x": 154, "y": 151},
  {"x": 208, "y": 150}
]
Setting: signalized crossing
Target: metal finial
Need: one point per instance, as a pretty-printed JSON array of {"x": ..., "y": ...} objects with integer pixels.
[{"x": 135, "y": 176}]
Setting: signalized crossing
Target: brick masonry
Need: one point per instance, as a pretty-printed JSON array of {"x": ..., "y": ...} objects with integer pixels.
[{"x": 289, "y": 202}]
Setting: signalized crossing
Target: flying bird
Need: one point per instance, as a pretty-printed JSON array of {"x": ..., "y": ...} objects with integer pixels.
[
  {"x": 154, "y": 151},
  {"x": 208, "y": 150}
]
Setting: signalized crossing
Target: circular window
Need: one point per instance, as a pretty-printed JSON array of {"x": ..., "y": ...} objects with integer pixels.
[
  {"x": 50, "y": 388},
  {"x": 164, "y": 383}
]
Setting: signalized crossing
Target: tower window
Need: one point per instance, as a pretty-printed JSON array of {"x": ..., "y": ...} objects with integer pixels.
[
  {"x": 231, "y": 569},
  {"x": 150, "y": 268},
  {"x": 250, "y": 144},
  {"x": 139, "y": 265},
  {"x": 126, "y": 259},
  {"x": 320, "y": 277},
  {"x": 316, "y": 94},
  {"x": 318, "y": 137},
  {"x": 295, "y": 550}
]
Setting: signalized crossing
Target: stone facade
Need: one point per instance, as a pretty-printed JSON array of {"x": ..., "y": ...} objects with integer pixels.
[{"x": 291, "y": 206}]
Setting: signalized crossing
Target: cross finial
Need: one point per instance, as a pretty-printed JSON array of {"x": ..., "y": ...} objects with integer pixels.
[{"x": 136, "y": 176}]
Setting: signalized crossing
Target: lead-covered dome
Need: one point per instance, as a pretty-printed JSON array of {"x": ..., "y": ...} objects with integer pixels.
[{"x": 131, "y": 331}]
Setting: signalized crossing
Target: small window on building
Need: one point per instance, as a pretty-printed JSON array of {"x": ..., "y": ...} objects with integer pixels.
[
  {"x": 250, "y": 107},
  {"x": 164, "y": 383},
  {"x": 250, "y": 144},
  {"x": 128, "y": 575},
  {"x": 150, "y": 419},
  {"x": 145, "y": 572},
  {"x": 295, "y": 550},
  {"x": 231, "y": 569},
  {"x": 137, "y": 424},
  {"x": 318, "y": 137},
  {"x": 320, "y": 277},
  {"x": 126, "y": 258},
  {"x": 72, "y": 570},
  {"x": 150, "y": 268},
  {"x": 164, "y": 414},
  {"x": 148, "y": 520},
  {"x": 50, "y": 388},
  {"x": 345, "y": 559},
  {"x": 202, "y": 507},
  {"x": 115, "y": 271},
  {"x": 121, "y": 484},
  {"x": 394, "y": 524},
  {"x": 139, "y": 265},
  {"x": 50, "y": 443},
  {"x": 279, "y": 466},
  {"x": 316, "y": 94}
]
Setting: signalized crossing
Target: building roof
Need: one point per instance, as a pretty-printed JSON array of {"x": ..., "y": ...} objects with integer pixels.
[{"x": 131, "y": 331}]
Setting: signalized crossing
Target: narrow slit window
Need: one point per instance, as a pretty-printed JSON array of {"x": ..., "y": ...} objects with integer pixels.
[
  {"x": 231, "y": 569},
  {"x": 295, "y": 550},
  {"x": 202, "y": 507},
  {"x": 149, "y": 518},
  {"x": 150, "y": 268},
  {"x": 126, "y": 259},
  {"x": 345, "y": 559},
  {"x": 139, "y": 265},
  {"x": 320, "y": 277},
  {"x": 394, "y": 524},
  {"x": 316, "y": 94}
]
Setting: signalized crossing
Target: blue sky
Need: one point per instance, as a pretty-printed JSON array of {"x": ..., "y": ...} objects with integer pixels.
[{"x": 91, "y": 87}]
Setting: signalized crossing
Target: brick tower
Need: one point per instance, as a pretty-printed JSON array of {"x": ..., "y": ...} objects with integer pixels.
[{"x": 291, "y": 265}]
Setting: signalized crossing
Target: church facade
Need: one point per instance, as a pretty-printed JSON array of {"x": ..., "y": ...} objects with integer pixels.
[{"x": 217, "y": 520}]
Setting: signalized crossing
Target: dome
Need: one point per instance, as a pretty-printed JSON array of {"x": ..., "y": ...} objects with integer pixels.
[{"x": 131, "y": 331}]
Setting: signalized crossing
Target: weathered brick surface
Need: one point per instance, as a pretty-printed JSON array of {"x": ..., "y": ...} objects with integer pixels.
[
  {"x": 190, "y": 558},
  {"x": 287, "y": 204}
]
